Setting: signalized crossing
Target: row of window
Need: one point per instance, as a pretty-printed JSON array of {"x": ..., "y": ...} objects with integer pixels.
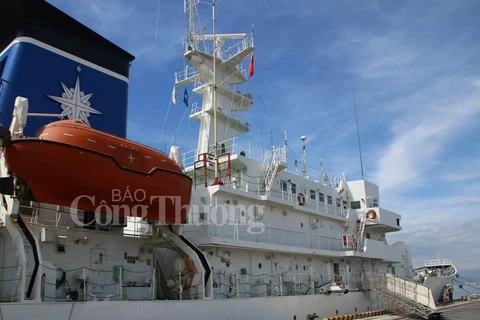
[{"x": 321, "y": 197}]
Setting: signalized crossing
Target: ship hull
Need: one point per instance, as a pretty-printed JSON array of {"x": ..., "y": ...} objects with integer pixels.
[
  {"x": 437, "y": 284},
  {"x": 293, "y": 307},
  {"x": 99, "y": 178}
]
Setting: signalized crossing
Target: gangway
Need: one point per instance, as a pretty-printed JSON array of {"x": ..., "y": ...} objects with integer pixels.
[{"x": 409, "y": 297}]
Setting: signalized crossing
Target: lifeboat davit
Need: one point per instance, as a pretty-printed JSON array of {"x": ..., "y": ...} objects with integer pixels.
[{"x": 70, "y": 164}]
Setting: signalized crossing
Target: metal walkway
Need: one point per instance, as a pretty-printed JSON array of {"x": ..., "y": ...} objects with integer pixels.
[{"x": 407, "y": 297}]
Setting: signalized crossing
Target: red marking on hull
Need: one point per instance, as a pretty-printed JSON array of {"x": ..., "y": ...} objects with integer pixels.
[{"x": 68, "y": 160}]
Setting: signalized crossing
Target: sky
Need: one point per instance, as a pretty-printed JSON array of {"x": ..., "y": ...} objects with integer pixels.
[{"x": 412, "y": 66}]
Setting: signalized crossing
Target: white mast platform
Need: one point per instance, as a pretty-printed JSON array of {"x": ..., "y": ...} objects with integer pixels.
[{"x": 200, "y": 54}]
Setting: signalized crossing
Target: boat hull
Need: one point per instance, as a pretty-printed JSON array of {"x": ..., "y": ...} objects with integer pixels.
[
  {"x": 70, "y": 174},
  {"x": 291, "y": 307},
  {"x": 437, "y": 284}
]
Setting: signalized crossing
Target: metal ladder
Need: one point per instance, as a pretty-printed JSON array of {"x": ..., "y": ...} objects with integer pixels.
[
  {"x": 272, "y": 169},
  {"x": 360, "y": 232},
  {"x": 402, "y": 294},
  {"x": 270, "y": 176}
]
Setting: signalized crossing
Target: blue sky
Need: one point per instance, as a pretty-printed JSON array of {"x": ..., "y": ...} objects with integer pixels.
[{"x": 413, "y": 66}]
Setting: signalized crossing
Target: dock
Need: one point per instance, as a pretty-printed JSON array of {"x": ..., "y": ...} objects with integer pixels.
[{"x": 459, "y": 310}]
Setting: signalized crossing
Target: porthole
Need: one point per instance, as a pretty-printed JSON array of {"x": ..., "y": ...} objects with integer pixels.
[
  {"x": 259, "y": 266},
  {"x": 301, "y": 224}
]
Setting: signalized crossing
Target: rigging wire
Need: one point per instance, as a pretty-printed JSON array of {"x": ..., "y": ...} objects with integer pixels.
[
  {"x": 153, "y": 67},
  {"x": 271, "y": 118},
  {"x": 165, "y": 122},
  {"x": 189, "y": 135},
  {"x": 178, "y": 126}
]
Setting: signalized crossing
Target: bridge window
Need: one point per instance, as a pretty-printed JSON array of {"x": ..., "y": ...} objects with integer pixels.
[
  {"x": 355, "y": 205},
  {"x": 321, "y": 197},
  {"x": 337, "y": 202},
  {"x": 294, "y": 188},
  {"x": 398, "y": 222},
  {"x": 283, "y": 185},
  {"x": 313, "y": 194},
  {"x": 329, "y": 200}
]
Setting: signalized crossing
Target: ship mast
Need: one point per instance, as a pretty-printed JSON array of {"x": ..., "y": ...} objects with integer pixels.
[
  {"x": 212, "y": 75},
  {"x": 215, "y": 136}
]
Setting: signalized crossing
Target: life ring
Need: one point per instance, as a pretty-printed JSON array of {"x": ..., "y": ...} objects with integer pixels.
[
  {"x": 371, "y": 214},
  {"x": 301, "y": 199}
]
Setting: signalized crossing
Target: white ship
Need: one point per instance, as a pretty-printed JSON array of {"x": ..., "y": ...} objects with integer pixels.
[
  {"x": 261, "y": 241},
  {"x": 436, "y": 274}
]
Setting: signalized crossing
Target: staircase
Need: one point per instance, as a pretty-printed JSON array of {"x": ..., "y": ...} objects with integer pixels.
[
  {"x": 270, "y": 175},
  {"x": 360, "y": 233},
  {"x": 411, "y": 298},
  {"x": 276, "y": 158},
  {"x": 171, "y": 237},
  {"x": 162, "y": 273}
]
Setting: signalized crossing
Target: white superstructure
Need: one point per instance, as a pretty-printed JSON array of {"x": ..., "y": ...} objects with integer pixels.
[{"x": 263, "y": 239}]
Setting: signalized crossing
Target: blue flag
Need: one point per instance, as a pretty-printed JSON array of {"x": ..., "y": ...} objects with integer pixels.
[{"x": 185, "y": 97}]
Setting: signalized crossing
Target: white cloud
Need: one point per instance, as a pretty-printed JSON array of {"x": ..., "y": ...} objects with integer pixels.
[
  {"x": 467, "y": 170},
  {"x": 420, "y": 134},
  {"x": 455, "y": 240}
]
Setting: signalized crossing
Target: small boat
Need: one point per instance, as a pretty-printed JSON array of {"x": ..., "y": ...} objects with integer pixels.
[
  {"x": 115, "y": 175},
  {"x": 436, "y": 274}
]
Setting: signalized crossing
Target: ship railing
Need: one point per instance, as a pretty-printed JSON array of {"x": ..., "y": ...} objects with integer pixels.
[
  {"x": 189, "y": 72},
  {"x": 195, "y": 108},
  {"x": 198, "y": 84},
  {"x": 241, "y": 284},
  {"x": 95, "y": 284},
  {"x": 272, "y": 233},
  {"x": 51, "y": 218},
  {"x": 437, "y": 262},
  {"x": 10, "y": 282},
  {"x": 233, "y": 146},
  {"x": 229, "y": 52},
  {"x": 240, "y": 145},
  {"x": 237, "y": 48}
]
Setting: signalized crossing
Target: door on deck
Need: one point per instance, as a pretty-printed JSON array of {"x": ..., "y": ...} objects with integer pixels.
[
  {"x": 336, "y": 270},
  {"x": 98, "y": 257}
]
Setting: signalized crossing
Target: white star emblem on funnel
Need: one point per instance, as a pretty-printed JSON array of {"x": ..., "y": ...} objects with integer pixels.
[{"x": 75, "y": 103}]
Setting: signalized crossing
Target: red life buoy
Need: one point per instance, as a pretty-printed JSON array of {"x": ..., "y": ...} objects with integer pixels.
[
  {"x": 301, "y": 199},
  {"x": 371, "y": 214}
]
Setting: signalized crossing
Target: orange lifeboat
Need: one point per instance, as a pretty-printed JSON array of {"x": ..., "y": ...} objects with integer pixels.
[{"x": 70, "y": 164}]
